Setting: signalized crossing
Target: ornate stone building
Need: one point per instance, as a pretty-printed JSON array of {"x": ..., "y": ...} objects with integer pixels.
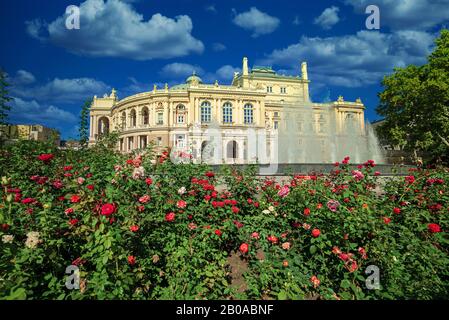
[{"x": 236, "y": 123}]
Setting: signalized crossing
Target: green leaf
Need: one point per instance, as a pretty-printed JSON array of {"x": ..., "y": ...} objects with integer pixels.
[
  {"x": 282, "y": 295},
  {"x": 345, "y": 284}
]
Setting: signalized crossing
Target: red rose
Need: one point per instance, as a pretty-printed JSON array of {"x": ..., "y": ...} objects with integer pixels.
[
  {"x": 255, "y": 235},
  {"x": 28, "y": 200},
  {"x": 396, "y": 210},
  {"x": 386, "y": 220},
  {"x": 235, "y": 210},
  {"x": 410, "y": 179},
  {"x": 5, "y": 226},
  {"x": 207, "y": 197},
  {"x": 58, "y": 184},
  {"x": 272, "y": 239},
  {"x": 434, "y": 228},
  {"x": 73, "y": 221},
  {"x": 181, "y": 204},
  {"x": 45, "y": 157},
  {"x": 210, "y": 174},
  {"x": 68, "y": 168},
  {"x": 148, "y": 181},
  {"x": 69, "y": 211},
  {"x": 169, "y": 217},
  {"x": 238, "y": 224},
  {"x": 90, "y": 187},
  {"x": 131, "y": 260},
  {"x": 316, "y": 233},
  {"x": 249, "y": 201},
  {"x": 343, "y": 256},
  {"x": 315, "y": 281},
  {"x": 75, "y": 198},
  {"x": 144, "y": 198},
  {"x": 243, "y": 248},
  {"x": 256, "y": 204},
  {"x": 306, "y": 211},
  {"x": 107, "y": 209},
  {"x": 134, "y": 228},
  {"x": 218, "y": 232}
]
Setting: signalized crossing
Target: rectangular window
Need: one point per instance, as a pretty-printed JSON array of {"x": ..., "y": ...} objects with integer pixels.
[
  {"x": 269, "y": 89},
  {"x": 205, "y": 113},
  {"x": 276, "y": 125},
  {"x": 159, "y": 141},
  {"x": 180, "y": 141},
  {"x": 180, "y": 118},
  {"x": 248, "y": 114},
  {"x": 160, "y": 118},
  {"x": 130, "y": 143},
  {"x": 227, "y": 113},
  {"x": 283, "y": 90},
  {"x": 143, "y": 142},
  {"x": 276, "y": 114}
]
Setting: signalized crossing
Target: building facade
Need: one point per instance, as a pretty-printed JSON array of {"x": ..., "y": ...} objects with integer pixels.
[
  {"x": 236, "y": 123},
  {"x": 36, "y": 132}
]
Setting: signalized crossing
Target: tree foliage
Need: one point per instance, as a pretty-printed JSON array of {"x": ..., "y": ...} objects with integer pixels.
[
  {"x": 4, "y": 98},
  {"x": 84, "y": 123},
  {"x": 415, "y": 104}
]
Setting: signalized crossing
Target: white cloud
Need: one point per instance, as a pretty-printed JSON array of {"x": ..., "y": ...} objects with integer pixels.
[
  {"x": 256, "y": 21},
  {"x": 217, "y": 46},
  {"x": 407, "y": 14},
  {"x": 223, "y": 75},
  {"x": 30, "y": 112},
  {"x": 114, "y": 29},
  {"x": 226, "y": 72},
  {"x": 62, "y": 90},
  {"x": 211, "y": 8},
  {"x": 353, "y": 60},
  {"x": 180, "y": 70},
  {"x": 328, "y": 18},
  {"x": 22, "y": 77}
]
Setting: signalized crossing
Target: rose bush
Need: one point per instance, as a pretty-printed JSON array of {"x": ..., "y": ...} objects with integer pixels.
[{"x": 141, "y": 227}]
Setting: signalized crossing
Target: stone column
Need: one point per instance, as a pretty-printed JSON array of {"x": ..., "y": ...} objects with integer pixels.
[
  {"x": 171, "y": 121},
  {"x": 90, "y": 127}
]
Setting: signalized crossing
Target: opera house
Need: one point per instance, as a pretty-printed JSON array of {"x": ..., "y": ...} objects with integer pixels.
[{"x": 261, "y": 116}]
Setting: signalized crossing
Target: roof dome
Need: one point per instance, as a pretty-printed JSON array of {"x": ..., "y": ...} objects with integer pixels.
[{"x": 194, "y": 79}]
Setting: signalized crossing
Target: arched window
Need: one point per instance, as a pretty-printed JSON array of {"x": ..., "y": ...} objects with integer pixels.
[
  {"x": 231, "y": 150},
  {"x": 103, "y": 125},
  {"x": 205, "y": 112},
  {"x": 123, "y": 120},
  {"x": 133, "y": 118},
  {"x": 180, "y": 113},
  {"x": 248, "y": 113},
  {"x": 227, "y": 112},
  {"x": 207, "y": 150},
  {"x": 145, "y": 116}
]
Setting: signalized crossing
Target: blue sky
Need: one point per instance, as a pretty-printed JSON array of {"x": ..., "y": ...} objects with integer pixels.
[{"x": 131, "y": 45}]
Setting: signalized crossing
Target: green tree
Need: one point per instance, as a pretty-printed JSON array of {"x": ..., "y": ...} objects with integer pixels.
[
  {"x": 4, "y": 98},
  {"x": 415, "y": 104},
  {"x": 84, "y": 123}
]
